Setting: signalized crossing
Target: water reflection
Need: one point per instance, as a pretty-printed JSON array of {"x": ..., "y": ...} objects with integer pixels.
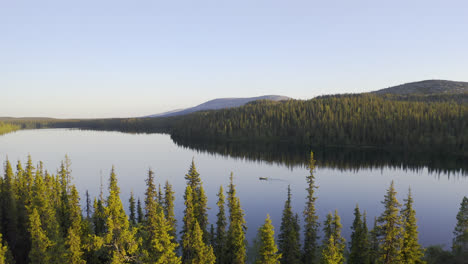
[{"x": 347, "y": 159}]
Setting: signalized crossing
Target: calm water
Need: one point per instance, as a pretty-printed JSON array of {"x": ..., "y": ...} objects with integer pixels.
[{"x": 437, "y": 195}]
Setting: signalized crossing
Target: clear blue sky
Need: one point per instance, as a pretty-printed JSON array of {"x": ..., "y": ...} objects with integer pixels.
[{"x": 132, "y": 58}]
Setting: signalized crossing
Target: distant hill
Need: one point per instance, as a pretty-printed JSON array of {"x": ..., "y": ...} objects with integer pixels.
[
  {"x": 428, "y": 87},
  {"x": 221, "y": 103}
]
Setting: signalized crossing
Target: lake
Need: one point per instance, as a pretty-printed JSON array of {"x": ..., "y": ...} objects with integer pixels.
[{"x": 437, "y": 193}]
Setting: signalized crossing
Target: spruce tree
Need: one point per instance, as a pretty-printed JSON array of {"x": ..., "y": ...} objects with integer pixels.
[
  {"x": 159, "y": 243},
  {"x": 268, "y": 251},
  {"x": 220, "y": 235},
  {"x": 311, "y": 224},
  {"x": 99, "y": 217},
  {"x": 358, "y": 245},
  {"x": 140, "y": 214},
  {"x": 334, "y": 243},
  {"x": 460, "y": 241},
  {"x": 288, "y": 238},
  {"x": 74, "y": 253},
  {"x": 88, "y": 206},
  {"x": 8, "y": 207},
  {"x": 411, "y": 251},
  {"x": 199, "y": 200},
  {"x": 118, "y": 243},
  {"x": 236, "y": 248},
  {"x": 40, "y": 244},
  {"x": 131, "y": 202},
  {"x": 330, "y": 252},
  {"x": 202, "y": 253},
  {"x": 374, "y": 243},
  {"x": 168, "y": 207},
  {"x": 390, "y": 227},
  {"x": 189, "y": 222}
]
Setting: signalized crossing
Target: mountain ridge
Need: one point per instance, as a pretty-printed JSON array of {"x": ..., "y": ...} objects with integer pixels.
[
  {"x": 426, "y": 87},
  {"x": 220, "y": 103}
]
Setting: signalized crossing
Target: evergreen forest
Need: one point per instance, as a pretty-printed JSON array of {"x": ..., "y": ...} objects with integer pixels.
[
  {"x": 416, "y": 123},
  {"x": 44, "y": 220}
]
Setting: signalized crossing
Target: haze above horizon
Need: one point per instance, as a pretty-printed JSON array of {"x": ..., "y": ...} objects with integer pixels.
[{"x": 120, "y": 59}]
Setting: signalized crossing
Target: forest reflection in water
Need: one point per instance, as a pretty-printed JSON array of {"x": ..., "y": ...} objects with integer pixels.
[{"x": 341, "y": 158}]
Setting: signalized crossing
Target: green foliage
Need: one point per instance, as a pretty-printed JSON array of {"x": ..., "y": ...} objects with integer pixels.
[
  {"x": 194, "y": 249},
  {"x": 411, "y": 251},
  {"x": 40, "y": 244},
  {"x": 32, "y": 201},
  {"x": 199, "y": 200},
  {"x": 8, "y": 128},
  {"x": 460, "y": 241},
  {"x": 268, "y": 251},
  {"x": 288, "y": 239},
  {"x": 390, "y": 229},
  {"x": 334, "y": 243},
  {"x": 202, "y": 253},
  {"x": 168, "y": 207},
  {"x": 236, "y": 248},
  {"x": 118, "y": 244},
  {"x": 352, "y": 120},
  {"x": 359, "y": 245},
  {"x": 132, "y": 208},
  {"x": 220, "y": 237},
  {"x": 311, "y": 224},
  {"x": 159, "y": 243}
]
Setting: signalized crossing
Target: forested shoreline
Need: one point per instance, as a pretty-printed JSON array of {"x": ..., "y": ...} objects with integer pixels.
[
  {"x": 8, "y": 128},
  {"x": 436, "y": 123},
  {"x": 42, "y": 222}
]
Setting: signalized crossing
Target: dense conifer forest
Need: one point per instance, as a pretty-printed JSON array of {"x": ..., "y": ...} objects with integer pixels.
[
  {"x": 421, "y": 123},
  {"x": 42, "y": 221}
]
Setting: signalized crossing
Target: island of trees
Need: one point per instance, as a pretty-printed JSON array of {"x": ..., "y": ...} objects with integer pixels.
[{"x": 41, "y": 221}]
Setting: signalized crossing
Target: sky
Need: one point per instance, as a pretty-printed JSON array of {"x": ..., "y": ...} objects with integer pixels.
[{"x": 90, "y": 59}]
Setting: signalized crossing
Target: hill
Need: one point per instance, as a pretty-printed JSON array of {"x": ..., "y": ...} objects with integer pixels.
[
  {"x": 221, "y": 103},
  {"x": 427, "y": 87}
]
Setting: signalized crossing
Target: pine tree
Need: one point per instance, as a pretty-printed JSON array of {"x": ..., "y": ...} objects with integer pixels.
[
  {"x": 159, "y": 243},
  {"x": 334, "y": 243},
  {"x": 118, "y": 243},
  {"x": 88, "y": 206},
  {"x": 220, "y": 235},
  {"x": 99, "y": 217},
  {"x": 168, "y": 207},
  {"x": 23, "y": 194},
  {"x": 374, "y": 243},
  {"x": 8, "y": 207},
  {"x": 132, "y": 209},
  {"x": 202, "y": 253},
  {"x": 390, "y": 228},
  {"x": 63, "y": 214},
  {"x": 268, "y": 251},
  {"x": 460, "y": 242},
  {"x": 189, "y": 222},
  {"x": 311, "y": 224},
  {"x": 330, "y": 253},
  {"x": 236, "y": 248},
  {"x": 288, "y": 239},
  {"x": 193, "y": 177},
  {"x": 140, "y": 215},
  {"x": 411, "y": 251},
  {"x": 40, "y": 244},
  {"x": 74, "y": 251},
  {"x": 358, "y": 245},
  {"x": 201, "y": 214},
  {"x": 199, "y": 200}
]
